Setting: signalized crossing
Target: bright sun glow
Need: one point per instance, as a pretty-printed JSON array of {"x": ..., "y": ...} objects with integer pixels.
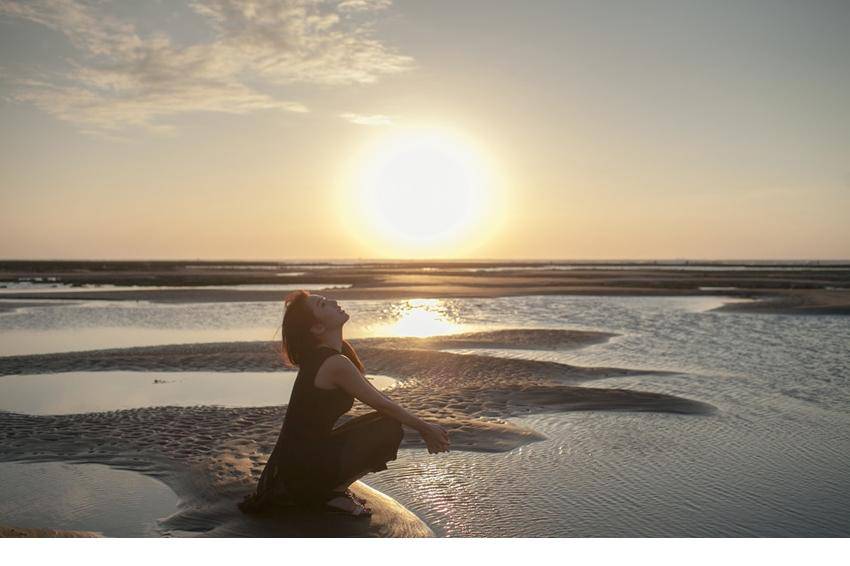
[
  {"x": 418, "y": 317},
  {"x": 425, "y": 192}
]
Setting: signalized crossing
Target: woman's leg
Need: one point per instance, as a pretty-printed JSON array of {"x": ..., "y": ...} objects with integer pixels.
[
  {"x": 346, "y": 483},
  {"x": 366, "y": 444}
]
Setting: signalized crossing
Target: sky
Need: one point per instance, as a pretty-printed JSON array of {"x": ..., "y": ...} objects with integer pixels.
[{"x": 346, "y": 129}]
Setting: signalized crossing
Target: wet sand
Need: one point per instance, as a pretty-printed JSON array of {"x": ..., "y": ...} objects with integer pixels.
[
  {"x": 17, "y": 532},
  {"x": 212, "y": 456},
  {"x": 796, "y": 302},
  {"x": 209, "y": 456}
]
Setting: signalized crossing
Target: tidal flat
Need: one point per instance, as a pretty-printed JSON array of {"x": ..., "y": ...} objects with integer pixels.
[{"x": 643, "y": 403}]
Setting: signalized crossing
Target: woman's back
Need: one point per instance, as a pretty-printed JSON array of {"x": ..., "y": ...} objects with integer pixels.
[
  {"x": 305, "y": 458},
  {"x": 312, "y": 411}
]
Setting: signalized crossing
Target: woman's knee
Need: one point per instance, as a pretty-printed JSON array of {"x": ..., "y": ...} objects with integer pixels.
[{"x": 392, "y": 430}]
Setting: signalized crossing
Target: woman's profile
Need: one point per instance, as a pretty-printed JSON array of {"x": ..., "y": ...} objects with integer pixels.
[{"x": 314, "y": 463}]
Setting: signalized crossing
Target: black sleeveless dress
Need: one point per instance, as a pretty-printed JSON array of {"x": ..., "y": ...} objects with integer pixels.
[{"x": 310, "y": 457}]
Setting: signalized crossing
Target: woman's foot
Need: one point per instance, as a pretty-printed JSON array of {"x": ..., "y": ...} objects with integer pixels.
[
  {"x": 351, "y": 494},
  {"x": 345, "y": 505}
]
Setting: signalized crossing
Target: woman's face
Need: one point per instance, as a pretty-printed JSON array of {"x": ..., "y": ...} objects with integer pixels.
[{"x": 327, "y": 312}]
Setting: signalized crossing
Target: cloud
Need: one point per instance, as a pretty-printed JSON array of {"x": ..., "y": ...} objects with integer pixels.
[
  {"x": 367, "y": 119},
  {"x": 87, "y": 28},
  {"x": 119, "y": 78},
  {"x": 364, "y": 5},
  {"x": 308, "y": 41}
]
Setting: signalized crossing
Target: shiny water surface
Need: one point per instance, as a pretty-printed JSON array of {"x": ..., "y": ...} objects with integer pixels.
[
  {"x": 83, "y": 497},
  {"x": 771, "y": 462},
  {"x": 98, "y": 391},
  {"x": 65, "y": 326}
]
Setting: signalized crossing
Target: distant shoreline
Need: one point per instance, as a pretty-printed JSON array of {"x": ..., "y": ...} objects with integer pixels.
[
  {"x": 786, "y": 288},
  {"x": 434, "y": 262}
]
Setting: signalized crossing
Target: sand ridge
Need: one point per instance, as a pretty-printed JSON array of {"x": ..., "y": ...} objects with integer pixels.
[
  {"x": 212, "y": 456},
  {"x": 794, "y": 301},
  {"x": 471, "y": 395}
]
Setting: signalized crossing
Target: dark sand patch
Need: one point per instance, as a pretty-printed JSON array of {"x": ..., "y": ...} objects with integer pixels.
[
  {"x": 512, "y": 338},
  {"x": 266, "y": 356},
  {"x": 12, "y": 306},
  {"x": 382, "y": 281},
  {"x": 17, "y": 532},
  {"x": 796, "y": 302}
]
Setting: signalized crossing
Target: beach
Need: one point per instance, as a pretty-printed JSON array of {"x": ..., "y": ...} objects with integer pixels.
[
  {"x": 602, "y": 246},
  {"x": 499, "y": 347}
]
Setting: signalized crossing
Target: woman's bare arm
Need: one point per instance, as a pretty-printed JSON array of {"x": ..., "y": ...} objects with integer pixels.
[{"x": 340, "y": 372}]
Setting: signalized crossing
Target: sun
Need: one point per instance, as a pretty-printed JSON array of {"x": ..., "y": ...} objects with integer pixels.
[{"x": 425, "y": 193}]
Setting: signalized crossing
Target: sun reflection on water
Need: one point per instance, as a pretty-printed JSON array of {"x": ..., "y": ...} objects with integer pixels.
[{"x": 418, "y": 318}]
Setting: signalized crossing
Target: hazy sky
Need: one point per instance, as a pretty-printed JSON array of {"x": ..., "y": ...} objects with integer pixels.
[{"x": 599, "y": 129}]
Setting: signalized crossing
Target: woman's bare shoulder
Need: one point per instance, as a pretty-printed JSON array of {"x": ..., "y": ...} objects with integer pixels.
[
  {"x": 335, "y": 368},
  {"x": 338, "y": 363}
]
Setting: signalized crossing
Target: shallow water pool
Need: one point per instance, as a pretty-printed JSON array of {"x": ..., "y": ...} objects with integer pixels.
[
  {"x": 93, "y": 392},
  {"x": 83, "y": 497}
]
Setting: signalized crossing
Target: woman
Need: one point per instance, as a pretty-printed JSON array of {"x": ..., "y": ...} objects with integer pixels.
[{"x": 312, "y": 462}]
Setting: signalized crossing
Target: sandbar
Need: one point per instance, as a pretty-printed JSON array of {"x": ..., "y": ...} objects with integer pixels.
[{"x": 212, "y": 456}]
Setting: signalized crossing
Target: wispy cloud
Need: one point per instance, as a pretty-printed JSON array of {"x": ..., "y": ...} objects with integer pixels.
[
  {"x": 367, "y": 119},
  {"x": 120, "y": 78},
  {"x": 364, "y": 5}
]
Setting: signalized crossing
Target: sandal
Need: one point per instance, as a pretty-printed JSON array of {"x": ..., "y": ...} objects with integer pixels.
[
  {"x": 354, "y": 509},
  {"x": 350, "y": 494}
]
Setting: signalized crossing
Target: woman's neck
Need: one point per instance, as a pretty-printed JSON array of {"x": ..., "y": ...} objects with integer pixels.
[{"x": 332, "y": 340}]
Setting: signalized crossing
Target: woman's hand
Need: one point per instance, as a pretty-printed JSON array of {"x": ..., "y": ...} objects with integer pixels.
[
  {"x": 436, "y": 438},
  {"x": 342, "y": 373}
]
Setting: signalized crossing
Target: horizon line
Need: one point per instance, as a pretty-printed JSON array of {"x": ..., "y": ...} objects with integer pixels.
[{"x": 436, "y": 259}]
